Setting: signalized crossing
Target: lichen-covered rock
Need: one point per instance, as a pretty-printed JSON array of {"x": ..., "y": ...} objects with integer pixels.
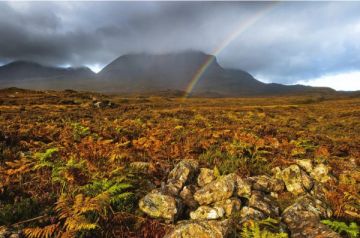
[
  {"x": 229, "y": 205},
  {"x": 200, "y": 229},
  {"x": 305, "y": 164},
  {"x": 159, "y": 205},
  {"x": 264, "y": 203},
  {"x": 307, "y": 182},
  {"x": 218, "y": 190},
  {"x": 183, "y": 172},
  {"x": 249, "y": 213},
  {"x": 293, "y": 178},
  {"x": 243, "y": 187},
  {"x": 310, "y": 203},
  {"x": 206, "y": 176},
  {"x": 267, "y": 184},
  {"x": 306, "y": 224},
  {"x": 207, "y": 213},
  {"x": 321, "y": 173},
  {"x": 187, "y": 194}
]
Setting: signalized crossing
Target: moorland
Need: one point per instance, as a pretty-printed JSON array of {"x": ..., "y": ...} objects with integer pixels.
[{"x": 76, "y": 164}]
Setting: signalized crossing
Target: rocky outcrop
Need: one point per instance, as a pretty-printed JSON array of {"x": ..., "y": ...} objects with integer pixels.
[{"x": 202, "y": 204}]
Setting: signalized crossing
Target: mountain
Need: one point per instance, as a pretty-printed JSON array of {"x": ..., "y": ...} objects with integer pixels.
[
  {"x": 32, "y": 75},
  {"x": 148, "y": 73}
]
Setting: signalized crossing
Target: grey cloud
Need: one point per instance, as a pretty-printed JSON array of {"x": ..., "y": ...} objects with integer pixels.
[{"x": 294, "y": 41}]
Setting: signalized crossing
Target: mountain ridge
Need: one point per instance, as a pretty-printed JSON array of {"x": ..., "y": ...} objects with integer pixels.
[{"x": 144, "y": 72}]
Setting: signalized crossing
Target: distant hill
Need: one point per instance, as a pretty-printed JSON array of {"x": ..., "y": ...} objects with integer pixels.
[
  {"x": 32, "y": 75},
  {"x": 148, "y": 73}
]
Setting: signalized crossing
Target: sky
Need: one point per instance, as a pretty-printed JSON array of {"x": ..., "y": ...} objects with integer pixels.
[{"x": 312, "y": 43}]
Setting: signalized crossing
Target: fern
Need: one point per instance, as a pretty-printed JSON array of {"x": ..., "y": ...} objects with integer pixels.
[
  {"x": 116, "y": 188},
  {"x": 351, "y": 230},
  {"x": 252, "y": 229},
  {"x": 41, "y": 232},
  {"x": 43, "y": 159},
  {"x": 80, "y": 131},
  {"x": 82, "y": 213}
]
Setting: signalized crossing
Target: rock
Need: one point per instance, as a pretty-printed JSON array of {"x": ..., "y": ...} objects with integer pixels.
[
  {"x": 314, "y": 205},
  {"x": 293, "y": 179},
  {"x": 249, "y": 213},
  {"x": 183, "y": 172},
  {"x": 305, "y": 164},
  {"x": 206, "y": 176},
  {"x": 201, "y": 229},
  {"x": 218, "y": 190},
  {"x": 264, "y": 203},
  {"x": 306, "y": 181},
  {"x": 158, "y": 205},
  {"x": 267, "y": 184},
  {"x": 104, "y": 104},
  {"x": 321, "y": 173},
  {"x": 187, "y": 194},
  {"x": 229, "y": 205},
  {"x": 243, "y": 187},
  {"x": 306, "y": 223},
  {"x": 207, "y": 213}
]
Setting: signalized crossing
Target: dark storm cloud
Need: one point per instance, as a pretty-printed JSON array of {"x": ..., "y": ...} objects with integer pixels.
[{"x": 293, "y": 41}]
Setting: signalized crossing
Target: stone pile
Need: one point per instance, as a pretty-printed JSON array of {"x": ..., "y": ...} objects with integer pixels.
[{"x": 202, "y": 204}]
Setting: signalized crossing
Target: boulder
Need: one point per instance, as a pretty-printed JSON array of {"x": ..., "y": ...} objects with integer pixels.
[
  {"x": 218, "y": 190},
  {"x": 306, "y": 224},
  {"x": 264, "y": 203},
  {"x": 187, "y": 194},
  {"x": 199, "y": 228},
  {"x": 293, "y": 178},
  {"x": 312, "y": 204},
  {"x": 267, "y": 184},
  {"x": 249, "y": 213},
  {"x": 159, "y": 205},
  {"x": 206, "y": 176},
  {"x": 207, "y": 213},
  {"x": 183, "y": 172},
  {"x": 230, "y": 205},
  {"x": 243, "y": 187},
  {"x": 305, "y": 164},
  {"x": 321, "y": 173}
]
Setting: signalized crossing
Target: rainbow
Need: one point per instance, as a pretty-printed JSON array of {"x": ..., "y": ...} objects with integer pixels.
[{"x": 241, "y": 28}]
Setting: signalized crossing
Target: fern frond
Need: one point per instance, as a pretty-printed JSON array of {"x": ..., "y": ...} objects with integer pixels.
[
  {"x": 41, "y": 232},
  {"x": 251, "y": 229},
  {"x": 77, "y": 223},
  {"x": 341, "y": 227}
]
